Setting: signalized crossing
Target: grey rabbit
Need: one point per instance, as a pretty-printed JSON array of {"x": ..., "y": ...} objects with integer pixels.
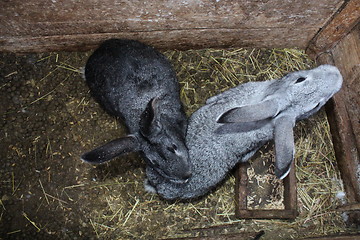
[
  {"x": 136, "y": 83},
  {"x": 233, "y": 125}
]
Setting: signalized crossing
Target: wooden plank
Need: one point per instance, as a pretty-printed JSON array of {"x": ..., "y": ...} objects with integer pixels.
[
  {"x": 230, "y": 236},
  {"x": 79, "y": 25},
  {"x": 290, "y": 192},
  {"x": 335, "y": 237},
  {"x": 347, "y": 58},
  {"x": 267, "y": 214},
  {"x": 344, "y": 115},
  {"x": 342, "y": 23},
  {"x": 241, "y": 191},
  {"x": 349, "y": 207},
  {"x": 166, "y": 39}
]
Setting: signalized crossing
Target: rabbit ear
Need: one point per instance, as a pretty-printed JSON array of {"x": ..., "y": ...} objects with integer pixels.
[
  {"x": 284, "y": 145},
  {"x": 111, "y": 150},
  {"x": 150, "y": 119},
  {"x": 250, "y": 113},
  {"x": 230, "y": 128}
]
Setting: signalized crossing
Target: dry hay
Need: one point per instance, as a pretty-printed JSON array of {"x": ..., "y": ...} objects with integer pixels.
[{"x": 204, "y": 73}]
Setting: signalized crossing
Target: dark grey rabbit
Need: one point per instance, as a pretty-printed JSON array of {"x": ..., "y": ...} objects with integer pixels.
[
  {"x": 233, "y": 125},
  {"x": 135, "y": 82}
]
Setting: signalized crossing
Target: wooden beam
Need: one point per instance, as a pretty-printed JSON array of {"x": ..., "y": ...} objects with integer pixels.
[
  {"x": 344, "y": 115},
  {"x": 181, "y": 39},
  {"x": 42, "y": 25},
  {"x": 230, "y": 236},
  {"x": 335, "y": 237},
  {"x": 343, "y": 22},
  {"x": 349, "y": 207}
]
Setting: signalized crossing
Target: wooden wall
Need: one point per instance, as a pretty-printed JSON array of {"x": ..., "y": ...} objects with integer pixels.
[
  {"x": 344, "y": 115},
  {"x": 338, "y": 43},
  {"x": 49, "y": 25}
]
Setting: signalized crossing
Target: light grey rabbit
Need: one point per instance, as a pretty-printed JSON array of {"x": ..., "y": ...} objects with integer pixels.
[
  {"x": 135, "y": 82},
  {"x": 233, "y": 125}
]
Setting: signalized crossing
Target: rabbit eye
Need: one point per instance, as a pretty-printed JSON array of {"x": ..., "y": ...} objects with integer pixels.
[
  {"x": 300, "y": 79},
  {"x": 172, "y": 149}
]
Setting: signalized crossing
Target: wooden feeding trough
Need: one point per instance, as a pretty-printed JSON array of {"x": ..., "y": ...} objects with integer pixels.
[
  {"x": 242, "y": 191},
  {"x": 329, "y": 30}
]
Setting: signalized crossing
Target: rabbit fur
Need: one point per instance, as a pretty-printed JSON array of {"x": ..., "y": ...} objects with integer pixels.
[
  {"x": 233, "y": 125},
  {"x": 136, "y": 83}
]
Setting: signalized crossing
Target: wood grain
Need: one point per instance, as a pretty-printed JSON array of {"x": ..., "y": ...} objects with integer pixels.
[
  {"x": 344, "y": 115},
  {"x": 342, "y": 23},
  {"x": 79, "y": 25}
]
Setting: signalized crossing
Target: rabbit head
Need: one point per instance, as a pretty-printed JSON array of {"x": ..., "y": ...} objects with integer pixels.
[
  {"x": 160, "y": 140},
  {"x": 164, "y": 143},
  {"x": 309, "y": 90},
  {"x": 294, "y": 97}
]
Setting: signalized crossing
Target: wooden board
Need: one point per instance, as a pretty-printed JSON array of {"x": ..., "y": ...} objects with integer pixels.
[
  {"x": 347, "y": 57},
  {"x": 335, "y": 237},
  {"x": 228, "y": 236},
  {"x": 344, "y": 114},
  {"x": 42, "y": 25},
  {"x": 342, "y": 23}
]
